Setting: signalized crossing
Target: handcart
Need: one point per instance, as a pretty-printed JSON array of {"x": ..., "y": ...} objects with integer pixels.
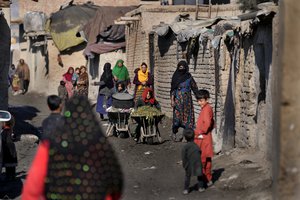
[
  {"x": 149, "y": 128},
  {"x": 118, "y": 121}
]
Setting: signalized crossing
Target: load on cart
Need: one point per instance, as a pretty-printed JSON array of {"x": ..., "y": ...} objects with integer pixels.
[
  {"x": 119, "y": 114},
  {"x": 148, "y": 115},
  {"x": 147, "y": 118}
]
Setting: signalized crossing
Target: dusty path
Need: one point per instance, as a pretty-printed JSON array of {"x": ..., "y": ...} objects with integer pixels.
[{"x": 151, "y": 171}]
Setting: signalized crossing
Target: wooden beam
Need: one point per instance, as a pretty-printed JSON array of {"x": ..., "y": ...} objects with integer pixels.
[{"x": 129, "y": 19}]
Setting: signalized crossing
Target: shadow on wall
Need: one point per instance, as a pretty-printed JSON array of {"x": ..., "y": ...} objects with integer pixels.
[
  {"x": 23, "y": 114},
  {"x": 263, "y": 49}
]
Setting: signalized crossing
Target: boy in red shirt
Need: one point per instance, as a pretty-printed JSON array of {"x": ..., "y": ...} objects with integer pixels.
[{"x": 203, "y": 135}]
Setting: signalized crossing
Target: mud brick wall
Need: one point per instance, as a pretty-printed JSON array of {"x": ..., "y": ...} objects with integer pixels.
[
  {"x": 137, "y": 47},
  {"x": 246, "y": 94},
  {"x": 165, "y": 65}
]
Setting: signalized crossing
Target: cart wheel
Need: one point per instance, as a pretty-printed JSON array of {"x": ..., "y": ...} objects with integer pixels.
[
  {"x": 142, "y": 135},
  {"x": 157, "y": 133},
  {"x": 159, "y": 139},
  {"x": 115, "y": 132},
  {"x": 150, "y": 140}
]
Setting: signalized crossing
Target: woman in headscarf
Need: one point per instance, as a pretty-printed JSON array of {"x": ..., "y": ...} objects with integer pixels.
[
  {"x": 106, "y": 89},
  {"x": 120, "y": 73},
  {"x": 83, "y": 82},
  {"x": 76, "y": 161},
  {"x": 67, "y": 78},
  {"x": 181, "y": 98},
  {"x": 142, "y": 80},
  {"x": 148, "y": 99}
]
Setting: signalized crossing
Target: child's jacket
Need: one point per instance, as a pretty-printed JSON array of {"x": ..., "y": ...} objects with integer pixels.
[{"x": 191, "y": 162}]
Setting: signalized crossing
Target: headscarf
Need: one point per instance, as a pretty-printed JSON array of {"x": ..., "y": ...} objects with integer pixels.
[
  {"x": 142, "y": 77},
  {"x": 120, "y": 72},
  {"x": 82, "y": 163},
  {"x": 144, "y": 96},
  {"x": 107, "y": 76},
  {"x": 68, "y": 76},
  {"x": 180, "y": 76}
]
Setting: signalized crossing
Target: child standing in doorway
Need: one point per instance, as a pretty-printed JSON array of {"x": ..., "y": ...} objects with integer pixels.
[
  {"x": 203, "y": 134},
  {"x": 191, "y": 162}
]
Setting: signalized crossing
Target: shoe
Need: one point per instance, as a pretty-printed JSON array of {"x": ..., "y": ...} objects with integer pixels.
[
  {"x": 185, "y": 192},
  {"x": 209, "y": 183},
  {"x": 201, "y": 189}
]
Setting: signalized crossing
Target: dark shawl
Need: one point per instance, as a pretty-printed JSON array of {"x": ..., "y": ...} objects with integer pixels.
[
  {"x": 107, "y": 77},
  {"x": 180, "y": 76},
  {"x": 82, "y": 163}
]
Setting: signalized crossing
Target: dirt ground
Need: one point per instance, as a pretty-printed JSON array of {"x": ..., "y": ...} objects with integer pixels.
[{"x": 151, "y": 172}]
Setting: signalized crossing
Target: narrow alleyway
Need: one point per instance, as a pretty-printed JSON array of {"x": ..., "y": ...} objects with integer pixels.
[{"x": 151, "y": 171}]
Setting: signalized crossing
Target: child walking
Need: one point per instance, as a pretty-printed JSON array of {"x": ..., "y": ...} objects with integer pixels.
[
  {"x": 10, "y": 160},
  {"x": 62, "y": 91},
  {"x": 191, "y": 162},
  {"x": 203, "y": 135}
]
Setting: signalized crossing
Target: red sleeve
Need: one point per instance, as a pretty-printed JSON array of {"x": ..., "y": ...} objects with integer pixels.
[
  {"x": 113, "y": 197},
  {"x": 34, "y": 185},
  {"x": 207, "y": 120}
]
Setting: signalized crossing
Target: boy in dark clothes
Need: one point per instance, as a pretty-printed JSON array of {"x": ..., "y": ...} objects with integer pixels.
[
  {"x": 191, "y": 161},
  {"x": 55, "y": 119},
  {"x": 10, "y": 160}
]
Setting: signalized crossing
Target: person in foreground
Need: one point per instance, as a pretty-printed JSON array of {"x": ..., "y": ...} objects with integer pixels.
[
  {"x": 76, "y": 162},
  {"x": 203, "y": 134},
  {"x": 191, "y": 161},
  {"x": 55, "y": 118},
  {"x": 10, "y": 160}
]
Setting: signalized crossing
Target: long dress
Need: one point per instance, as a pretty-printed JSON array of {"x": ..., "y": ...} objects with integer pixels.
[
  {"x": 183, "y": 111},
  {"x": 83, "y": 84},
  {"x": 67, "y": 78}
]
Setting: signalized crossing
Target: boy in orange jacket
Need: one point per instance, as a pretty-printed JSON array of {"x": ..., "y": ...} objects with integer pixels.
[{"x": 203, "y": 135}]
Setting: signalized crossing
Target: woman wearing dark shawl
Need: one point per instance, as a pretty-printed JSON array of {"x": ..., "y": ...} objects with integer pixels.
[
  {"x": 106, "y": 89},
  {"x": 76, "y": 162},
  {"x": 83, "y": 82},
  {"x": 181, "y": 98},
  {"x": 120, "y": 73}
]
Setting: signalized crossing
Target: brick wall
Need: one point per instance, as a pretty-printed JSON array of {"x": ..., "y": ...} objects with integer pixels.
[{"x": 246, "y": 93}]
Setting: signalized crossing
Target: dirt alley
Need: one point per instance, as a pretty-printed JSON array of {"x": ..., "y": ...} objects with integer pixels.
[{"x": 151, "y": 172}]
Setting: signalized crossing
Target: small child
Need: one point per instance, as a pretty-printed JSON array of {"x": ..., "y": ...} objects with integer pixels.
[
  {"x": 191, "y": 162},
  {"x": 203, "y": 135},
  {"x": 10, "y": 160},
  {"x": 55, "y": 119},
  {"x": 121, "y": 87},
  {"x": 15, "y": 83},
  {"x": 62, "y": 91}
]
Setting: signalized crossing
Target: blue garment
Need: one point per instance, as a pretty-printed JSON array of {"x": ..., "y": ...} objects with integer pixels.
[{"x": 103, "y": 104}]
